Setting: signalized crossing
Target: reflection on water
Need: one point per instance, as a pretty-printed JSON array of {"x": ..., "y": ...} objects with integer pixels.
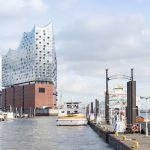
[{"x": 41, "y": 133}]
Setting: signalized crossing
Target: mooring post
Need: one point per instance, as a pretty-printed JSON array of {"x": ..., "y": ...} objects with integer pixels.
[
  {"x": 96, "y": 108},
  {"x": 34, "y": 112},
  {"x": 107, "y": 99},
  {"x": 30, "y": 113},
  {"x": 92, "y": 117},
  {"x": 21, "y": 112},
  {"x": 92, "y": 110},
  {"x": 131, "y": 110},
  {"x": 87, "y": 111},
  {"x": 131, "y": 74},
  {"x": 16, "y": 112}
]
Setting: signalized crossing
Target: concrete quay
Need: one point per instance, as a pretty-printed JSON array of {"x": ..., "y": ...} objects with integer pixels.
[
  {"x": 132, "y": 139},
  {"x": 122, "y": 141}
]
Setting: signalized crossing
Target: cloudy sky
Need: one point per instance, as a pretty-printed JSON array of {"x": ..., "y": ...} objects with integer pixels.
[{"x": 90, "y": 36}]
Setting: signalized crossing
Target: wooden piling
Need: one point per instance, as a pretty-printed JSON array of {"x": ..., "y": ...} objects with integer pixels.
[
  {"x": 92, "y": 110},
  {"x": 87, "y": 111},
  {"x": 96, "y": 108}
]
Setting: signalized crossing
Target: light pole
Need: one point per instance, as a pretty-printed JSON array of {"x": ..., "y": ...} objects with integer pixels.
[{"x": 146, "y": 128}]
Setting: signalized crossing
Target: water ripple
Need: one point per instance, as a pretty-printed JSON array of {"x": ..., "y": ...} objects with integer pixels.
[{"x": 41, "y": 133}]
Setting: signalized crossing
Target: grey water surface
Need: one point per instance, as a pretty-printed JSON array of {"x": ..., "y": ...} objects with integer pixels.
[{"x": 41, "y": 133}]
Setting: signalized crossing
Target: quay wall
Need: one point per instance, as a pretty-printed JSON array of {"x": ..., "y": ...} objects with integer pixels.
[
  {"x": 99, "y": 131},
  {"x": 107, "y": 136},
  {"x": 117, "y": 144}
]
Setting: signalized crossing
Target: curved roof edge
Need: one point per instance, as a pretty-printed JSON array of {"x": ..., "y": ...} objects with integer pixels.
[
  {"x": 49, "y": 24},
  {"x": 10, "y": 51}
]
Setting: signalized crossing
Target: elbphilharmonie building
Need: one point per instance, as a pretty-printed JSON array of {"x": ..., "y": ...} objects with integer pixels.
[
  {"x": 34, "y": 60},
  {"x": 32, "y": 66}
]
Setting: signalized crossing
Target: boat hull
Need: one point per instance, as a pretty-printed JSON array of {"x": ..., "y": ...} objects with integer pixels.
[
  {"x": 71, "y": 122},
  {"x": 8, "y": 115}
]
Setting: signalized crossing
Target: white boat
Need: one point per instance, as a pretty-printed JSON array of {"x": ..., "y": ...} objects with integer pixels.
[
  {"x": 8, "y": 115},
  {"x": 71, "y": 114},
  {"x": 2, "y": 118}
]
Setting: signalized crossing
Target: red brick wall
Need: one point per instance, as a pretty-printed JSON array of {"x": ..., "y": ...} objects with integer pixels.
[
  {"x": 7, "y": 99},
  {"x": 32, "y": 97},
  {"x": 45, "y": 99},
  {"x": 18, "y": 96},
  {"x": 29, "y": 96},
  {"x": 3, "y": 98}
]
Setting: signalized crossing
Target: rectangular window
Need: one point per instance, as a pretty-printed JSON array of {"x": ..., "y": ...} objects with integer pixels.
[{"x": 41, "y": 90}]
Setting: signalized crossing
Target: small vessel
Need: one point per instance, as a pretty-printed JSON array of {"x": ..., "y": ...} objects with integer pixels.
[
  {"x": 8, "y": 115},
  {"x": 2, "y": 118},
  {"x": 71, "y": 114}
]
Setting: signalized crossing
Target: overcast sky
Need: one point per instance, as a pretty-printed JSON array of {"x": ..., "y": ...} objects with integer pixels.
[{"x": 90, "y": 36}]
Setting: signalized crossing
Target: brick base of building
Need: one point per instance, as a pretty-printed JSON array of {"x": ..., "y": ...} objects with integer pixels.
[{"x": 27, "y": 98}]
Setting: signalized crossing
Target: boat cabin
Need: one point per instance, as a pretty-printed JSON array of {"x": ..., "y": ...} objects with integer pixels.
[{"x": 70, "y": 108}]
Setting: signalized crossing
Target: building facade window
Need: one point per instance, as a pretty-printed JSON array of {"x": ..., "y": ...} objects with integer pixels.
[
  {"x": 41, "y": 90},
  {"x": 32, "y": 54}
]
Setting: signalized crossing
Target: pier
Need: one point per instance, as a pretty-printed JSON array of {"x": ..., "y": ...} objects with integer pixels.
[
  {"x": 120, "y": 132},
  {"x": 121, "y": 141}
]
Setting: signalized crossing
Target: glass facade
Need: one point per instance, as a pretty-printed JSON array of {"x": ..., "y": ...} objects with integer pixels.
[{"x": 34, "y": 60}]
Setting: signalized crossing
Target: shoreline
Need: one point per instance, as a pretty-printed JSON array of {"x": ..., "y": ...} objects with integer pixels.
[{"x": 122, "y": 141}]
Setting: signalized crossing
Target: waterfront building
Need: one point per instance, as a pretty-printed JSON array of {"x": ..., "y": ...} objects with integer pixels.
[
  {"x": 118, "y": 102},
  {"x": 29, "y": 73}
]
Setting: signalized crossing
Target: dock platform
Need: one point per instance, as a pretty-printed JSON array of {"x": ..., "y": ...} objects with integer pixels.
[
  {"x": 122, "y": 141},
  {"x": 134, "y": 141}
]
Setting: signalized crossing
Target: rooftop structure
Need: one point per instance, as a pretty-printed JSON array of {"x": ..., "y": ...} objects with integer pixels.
[{"x": 33, "y": 61}]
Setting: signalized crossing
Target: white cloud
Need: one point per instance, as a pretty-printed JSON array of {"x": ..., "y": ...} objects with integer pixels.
[
  {"x": 87, "y": 42},
  {"x": 123, "y": 39},
  {"x": 139, "y": 1},
  {"x": 87, "y": 47},
  {"x": 64, "y": 5},
  {"x": 18, "y": 16},
  {"x": 19, "y": 7}
]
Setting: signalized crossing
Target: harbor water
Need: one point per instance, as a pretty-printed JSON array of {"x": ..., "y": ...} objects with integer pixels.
[{"x": 41, "y": 133}]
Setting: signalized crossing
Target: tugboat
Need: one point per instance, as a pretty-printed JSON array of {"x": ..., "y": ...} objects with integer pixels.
[{"x": 71, "y": 114}]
